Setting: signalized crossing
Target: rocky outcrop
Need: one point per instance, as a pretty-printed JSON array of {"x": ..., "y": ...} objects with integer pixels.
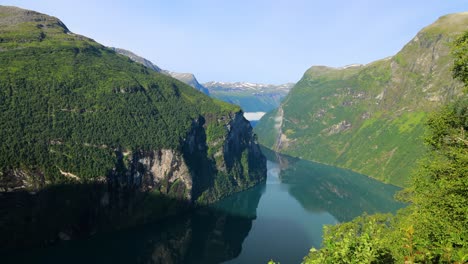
[
  {"x": 191, "y": 173},
  {"x": 164, "y": 170},
  {"x": 337, "y": 128},
  {"x": 240, "y": 141},
  {"x": 20, "y": 179},
  {"x": 232, "y": 154}
]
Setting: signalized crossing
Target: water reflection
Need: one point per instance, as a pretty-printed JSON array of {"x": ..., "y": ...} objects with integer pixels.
[
  {"x": 203, "y": 235},
  {"x": 342, "y": 193},
  {"x": 280, "y": 219},
  {"x": 300, "y": 197}
]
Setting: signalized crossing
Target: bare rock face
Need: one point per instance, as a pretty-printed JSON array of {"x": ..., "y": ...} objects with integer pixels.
[
  {"x": 190, "y": 173},
  {"x": 19, "y": 179},
  {"x": 338, "y": 128},
  {"x": 205, "y": 169},
  {"x": 167, "y": 171}
]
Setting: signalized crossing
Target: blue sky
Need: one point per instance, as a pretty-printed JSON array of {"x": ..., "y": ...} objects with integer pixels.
[{"x": 266, "y": 41}]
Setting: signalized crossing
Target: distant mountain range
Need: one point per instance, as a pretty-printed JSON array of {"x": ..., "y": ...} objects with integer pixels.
[
  {"x": 369, "y": 118},
  {"x": 244, "y": 86},
  {"x": 252, "y": 97}
]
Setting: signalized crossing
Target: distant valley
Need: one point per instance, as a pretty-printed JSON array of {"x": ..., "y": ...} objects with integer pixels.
[
  {"x": 251, "y": 97},
  {"x": 187, "y": 78}
]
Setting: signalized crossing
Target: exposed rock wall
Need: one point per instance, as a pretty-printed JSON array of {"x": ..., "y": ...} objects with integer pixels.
[{"x": 186, "y": 173}]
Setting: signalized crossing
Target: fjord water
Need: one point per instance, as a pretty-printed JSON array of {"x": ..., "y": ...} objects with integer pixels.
[
  {"x": 280, "y": 219},
  {"x": 298, "y": 199}
]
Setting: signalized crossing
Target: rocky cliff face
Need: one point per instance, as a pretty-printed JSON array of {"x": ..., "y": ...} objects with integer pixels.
[
  {"x": 185, "y": 173},
  {"x": 192, "y": 174},
  {"x": 143, "y": 185}
]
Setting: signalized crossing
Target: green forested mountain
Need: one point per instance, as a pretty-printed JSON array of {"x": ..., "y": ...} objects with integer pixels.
[
  {"x": 369, "y": 118},
  {"x": 434, "y": 227},
  {"x": 69, "y": 104},
  {"x": 73, "y": 112}
]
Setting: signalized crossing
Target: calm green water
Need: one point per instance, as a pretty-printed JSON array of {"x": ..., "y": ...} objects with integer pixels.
[{"x": 280, "y": 219}]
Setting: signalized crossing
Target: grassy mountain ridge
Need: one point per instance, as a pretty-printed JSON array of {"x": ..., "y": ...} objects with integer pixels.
[
  {"x": 369, "y": 118},
  {"x": 138, "y": 59},
  {"x": 187, "y": 78},
  {"x": 433, "y": 227}
]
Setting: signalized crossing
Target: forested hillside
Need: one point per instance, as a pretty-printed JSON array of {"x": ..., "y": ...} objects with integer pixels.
[
  {"x": 111, "y": 138},
  {"x": 369, "y": 118},
  {"x": 434, "y": 227}
]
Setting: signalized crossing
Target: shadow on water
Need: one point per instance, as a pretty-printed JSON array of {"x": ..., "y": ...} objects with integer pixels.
[{"x": 33, "y": 227}]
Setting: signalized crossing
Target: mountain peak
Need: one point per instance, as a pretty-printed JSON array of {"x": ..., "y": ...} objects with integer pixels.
[
  {"x": 137, "y": 58},
  {"x": 187, "y": 78},
  {"x": 452, "y": 23},
  {"x": 11, "y": 16}
]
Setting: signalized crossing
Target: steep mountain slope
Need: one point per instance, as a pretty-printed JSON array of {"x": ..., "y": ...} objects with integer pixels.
[
  {"x": 75, "y": 113},
  {"x": 138, "y": 59},
  {"x": 369, "y": 118},
  {"x": 187, "y": 78},
  {"x": 251, "y": 97}
]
